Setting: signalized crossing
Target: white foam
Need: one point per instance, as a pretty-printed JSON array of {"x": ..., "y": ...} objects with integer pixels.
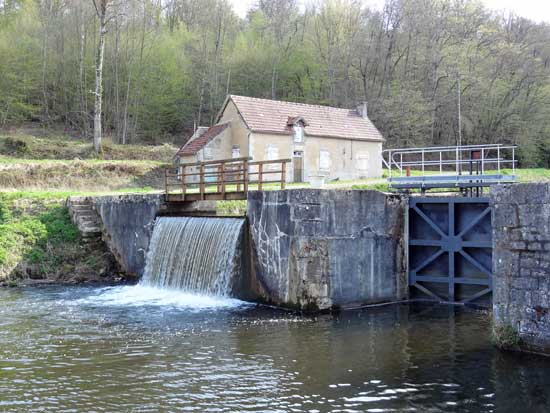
[{"x": 140, "y": 295}]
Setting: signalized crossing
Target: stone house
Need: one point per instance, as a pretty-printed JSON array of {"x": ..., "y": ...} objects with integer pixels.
[{"x": 320, "y": 140}]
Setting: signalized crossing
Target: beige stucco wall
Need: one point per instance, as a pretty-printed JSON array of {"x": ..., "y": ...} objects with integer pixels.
[
  {"x": 219, "y": 147},
  {"x": 239, "y": 131},
  {"x": 347, "y": 157}
]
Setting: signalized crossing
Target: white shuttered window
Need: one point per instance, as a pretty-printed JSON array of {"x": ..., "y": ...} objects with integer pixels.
[{"x": 324, "y": 160}]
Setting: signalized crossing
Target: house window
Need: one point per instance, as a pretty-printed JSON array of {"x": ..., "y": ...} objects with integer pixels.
[
  {"x": 298, "y": 134},
  {"x": 324, "y": 160},
  {"x": 236, "y": 151},
  {"x": 362, "y": 162}
]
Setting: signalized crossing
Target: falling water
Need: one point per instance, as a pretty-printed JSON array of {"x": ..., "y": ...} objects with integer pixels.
[{"x": 197, "y": 255}]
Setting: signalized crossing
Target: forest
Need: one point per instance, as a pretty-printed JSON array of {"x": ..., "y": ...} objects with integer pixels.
[{"x": 434, "y": 72}]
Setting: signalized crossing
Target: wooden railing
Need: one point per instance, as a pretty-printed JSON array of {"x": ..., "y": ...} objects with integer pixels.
[{"x": 222, "y": 179}]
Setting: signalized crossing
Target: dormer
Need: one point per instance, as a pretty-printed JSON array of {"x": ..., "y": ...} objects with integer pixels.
[{"x": 297, "y": 124}]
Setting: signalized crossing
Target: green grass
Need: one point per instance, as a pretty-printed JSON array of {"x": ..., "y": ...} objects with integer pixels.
[
  {"x": 383, "y": 187},
  {"x": 524, "y": 174},
  {"x": 530, "y": 175},
  {"x": 231, "y": 208}
]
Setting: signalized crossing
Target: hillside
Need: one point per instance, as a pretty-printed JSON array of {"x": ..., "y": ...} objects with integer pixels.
[
  {"x": 32, "y": 163},
  {"x": 23, "y": 146}
]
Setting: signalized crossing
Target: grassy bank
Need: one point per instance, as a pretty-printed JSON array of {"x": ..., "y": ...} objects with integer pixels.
[
  {"x": 89, "y": 175},
  {"x": 61, "y": 163},
  {"x": 21, "y": 146},
  {"x": 39, "y": 242}
]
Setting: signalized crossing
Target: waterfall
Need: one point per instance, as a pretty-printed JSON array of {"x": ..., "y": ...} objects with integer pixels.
[{"x": 196, "y": 255}]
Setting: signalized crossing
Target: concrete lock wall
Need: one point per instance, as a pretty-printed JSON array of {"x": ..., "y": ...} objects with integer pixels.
[
  {"x": 127, "y": 227},
  {"x": 521, "y": 264},
  {"x": 319, "y": 249}
]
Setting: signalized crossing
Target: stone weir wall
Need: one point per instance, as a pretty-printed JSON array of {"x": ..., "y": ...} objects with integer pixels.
[
  {"x": 521, "y": 264},
  {"x": 319, "y": 249},
  {"x": 126, "y": 223}
]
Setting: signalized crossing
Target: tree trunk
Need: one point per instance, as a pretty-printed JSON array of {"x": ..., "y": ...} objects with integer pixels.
[{"x": 102, "y": 11}]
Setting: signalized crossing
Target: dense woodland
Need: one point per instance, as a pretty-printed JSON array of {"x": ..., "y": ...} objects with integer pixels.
[{"x": 168, "y": 65}]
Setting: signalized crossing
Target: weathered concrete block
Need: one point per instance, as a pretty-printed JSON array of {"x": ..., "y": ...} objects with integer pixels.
[
  {"x": 128, "y": 224},
  {"x": 317, "y": 249}
]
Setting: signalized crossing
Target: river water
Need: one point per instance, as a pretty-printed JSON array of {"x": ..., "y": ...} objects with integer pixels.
[{"x": 141, "y": 349}]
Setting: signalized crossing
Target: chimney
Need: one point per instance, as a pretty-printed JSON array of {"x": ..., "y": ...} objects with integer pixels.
[{"x": 362, "y": 109}]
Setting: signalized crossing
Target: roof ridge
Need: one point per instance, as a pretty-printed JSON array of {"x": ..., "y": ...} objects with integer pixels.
[{"x": 292, "y": 103}]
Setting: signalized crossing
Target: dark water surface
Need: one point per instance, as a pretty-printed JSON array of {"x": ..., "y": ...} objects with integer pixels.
[{"x": 134, "y": 349}]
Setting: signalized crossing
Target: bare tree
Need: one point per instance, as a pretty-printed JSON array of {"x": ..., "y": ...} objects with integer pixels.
[{"x": 101, "y": 10}]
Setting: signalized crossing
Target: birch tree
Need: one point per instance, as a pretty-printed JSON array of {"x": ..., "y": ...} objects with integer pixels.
[{"x": 101, "y": 10}]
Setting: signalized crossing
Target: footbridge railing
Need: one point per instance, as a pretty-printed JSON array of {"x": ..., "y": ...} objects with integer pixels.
[{"x": 226, "y": 179}]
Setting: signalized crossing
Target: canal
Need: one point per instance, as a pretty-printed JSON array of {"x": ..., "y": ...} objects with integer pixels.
[{"x": 141, "y": 349}]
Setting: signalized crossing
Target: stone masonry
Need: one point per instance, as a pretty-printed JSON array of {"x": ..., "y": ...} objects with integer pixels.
[{"x": 521, "y": 262}]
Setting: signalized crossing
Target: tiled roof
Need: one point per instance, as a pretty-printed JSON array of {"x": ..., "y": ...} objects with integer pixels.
[
  {"x": 272, "y": 116},
  {"x": 195, "y": 145}
]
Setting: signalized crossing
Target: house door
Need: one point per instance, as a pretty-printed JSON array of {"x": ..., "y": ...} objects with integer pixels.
[{"x": 298, "y": 166}]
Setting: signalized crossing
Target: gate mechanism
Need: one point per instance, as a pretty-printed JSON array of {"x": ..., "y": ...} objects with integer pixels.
[{"x": 450, "y": 249}]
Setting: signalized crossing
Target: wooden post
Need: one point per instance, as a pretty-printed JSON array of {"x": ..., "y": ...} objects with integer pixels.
[
  {"x": 183, "y": 183},
  {"x": 223, "y": 180},
  {"x": 283, "y": 175},
  {"x": 166, "y": 182},
  {"x": 218, "y": 178},
  {"x": 238, "y": 176},
  {"x": 245, "y": 176},
  {"x": 201, "y": 181},
  {"x": 260, "y": 176}
]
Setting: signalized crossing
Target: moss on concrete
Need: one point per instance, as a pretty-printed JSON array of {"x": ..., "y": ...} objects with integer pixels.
[{"x": 505, "y": 336}]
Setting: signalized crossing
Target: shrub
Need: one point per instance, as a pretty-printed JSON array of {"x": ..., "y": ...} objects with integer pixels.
[
  {"x": 14, "y": 146},
  {"x": 505, "y": 336}
]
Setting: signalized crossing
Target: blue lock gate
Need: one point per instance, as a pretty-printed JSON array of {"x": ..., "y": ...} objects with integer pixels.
[{"x": 450, "y": 249}]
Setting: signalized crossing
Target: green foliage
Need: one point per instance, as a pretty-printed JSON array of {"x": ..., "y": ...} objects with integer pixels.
[
  {"x": 168, "y": 68},
  {"x": 230, "y": 208},
  {"x": 32, "y": 229},
  {"x": 5, "y": 213},
  {"x": 58, "y": 226},
  {"x": 505, "y": 336}
]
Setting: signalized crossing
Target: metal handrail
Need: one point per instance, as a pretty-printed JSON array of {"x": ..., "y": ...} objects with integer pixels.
[{"x": 406, "y": 158}]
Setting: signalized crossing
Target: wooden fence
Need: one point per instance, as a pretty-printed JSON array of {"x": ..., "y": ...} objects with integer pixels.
[{"x": 222, "y": 179}]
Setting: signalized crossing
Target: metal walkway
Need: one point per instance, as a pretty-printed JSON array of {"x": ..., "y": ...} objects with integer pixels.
[{"x": 469, "y": 168}]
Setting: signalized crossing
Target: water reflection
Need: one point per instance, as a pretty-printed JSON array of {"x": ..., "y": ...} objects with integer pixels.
[{"x": 88, "y": 349}]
